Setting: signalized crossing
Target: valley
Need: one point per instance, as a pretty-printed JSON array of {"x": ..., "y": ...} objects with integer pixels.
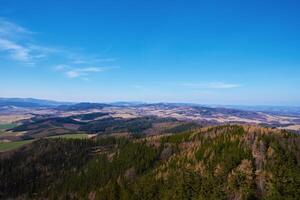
[
  {"x": 42, "y": 120},
  {"x": 147, "y": 151},
  {"x": 149, "y": 100}
]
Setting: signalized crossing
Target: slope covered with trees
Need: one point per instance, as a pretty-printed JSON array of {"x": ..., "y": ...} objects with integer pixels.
[{"x": 221, "y": 162}]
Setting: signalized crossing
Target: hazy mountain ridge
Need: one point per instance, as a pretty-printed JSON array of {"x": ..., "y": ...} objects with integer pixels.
[
  {"x": 147, "y": 151},
  {"x": 30, "y": 102},
  {"x": 44, "y": 118}
]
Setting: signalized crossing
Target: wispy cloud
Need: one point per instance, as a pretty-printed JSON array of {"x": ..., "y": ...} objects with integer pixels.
[
  {"x": 211, "y": 85},
  {"x": 92, "y": 60},
  {"x": 61, "y": 67},
  {"x": 83, "y": 72},
  {"x": 16, "y": 51},
  {"x": 16, "y": 44},
  {"x": 9, "y": 29},
  {"x": 24, "y": 53}
]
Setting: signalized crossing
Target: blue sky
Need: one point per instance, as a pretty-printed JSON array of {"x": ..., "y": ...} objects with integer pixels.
[{"x": 207, "y": 52}]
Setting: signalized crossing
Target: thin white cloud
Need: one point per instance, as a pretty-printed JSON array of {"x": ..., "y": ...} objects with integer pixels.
[
  {"x": 211, "y": 85},
  {"x": 83, "y": 72},
  {"x": 61, "y": 67},
  {"x": 105, "y": 59},
  {"x": 16, "y": 51},
  {"x": 28, "y": 54},
  {"x": 44, "y": 49},
  {"x": 91, "y": 60},
  {"x": 15, "y": 44},
  {"x": 9, "y": 29}
]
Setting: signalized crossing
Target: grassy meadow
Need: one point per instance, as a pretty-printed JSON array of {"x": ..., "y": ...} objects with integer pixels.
[{"x": 7, "y": 146}]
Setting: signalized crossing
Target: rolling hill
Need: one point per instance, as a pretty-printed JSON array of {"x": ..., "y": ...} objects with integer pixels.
[{"x": 218, "y": 162}]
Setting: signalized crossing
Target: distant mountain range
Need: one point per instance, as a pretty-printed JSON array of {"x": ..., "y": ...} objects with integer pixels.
[
  {"x": 282, "y": 110},
  {"x": 30, "y": 102},
  {"x": 54, "y": 117},
  {"x": 37, "y": 103},
  {"x": 146, "y": 151},
  {"x": 82, "y": 106}
]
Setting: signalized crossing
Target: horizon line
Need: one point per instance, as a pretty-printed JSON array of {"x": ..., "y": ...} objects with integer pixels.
[{"x": 153, "y": 102}]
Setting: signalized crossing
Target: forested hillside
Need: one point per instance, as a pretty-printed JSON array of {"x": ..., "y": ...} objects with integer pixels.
[{"x": 221, "y": 162}]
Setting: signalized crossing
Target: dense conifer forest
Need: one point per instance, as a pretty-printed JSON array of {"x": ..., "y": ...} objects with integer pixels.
[{"x": 219, "y": 162}]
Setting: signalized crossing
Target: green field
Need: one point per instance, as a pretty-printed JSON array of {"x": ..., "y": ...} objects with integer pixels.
[
  {"x": 71, "y": 136},
  {"x": 7, "y": 146},
  {"x": 7, "y": 126}
]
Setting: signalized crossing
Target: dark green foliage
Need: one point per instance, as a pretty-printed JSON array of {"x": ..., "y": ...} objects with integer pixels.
[
  {"x": 223, "y": 162},
  {"x": 111, "y": 125},
  {"x": 186, "y": 127},
  {"x": 285, "y": 168},
  {"x": 134, "y": 158},
  {"x": 222, "y": 150},
  {"x": 82, "y": 106},
  {"x": 41, "y": 127},
  {"x": 45, "y": 123},
  {"x": 176, "y": 139},
  {"x": 32, "y": 169}
]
